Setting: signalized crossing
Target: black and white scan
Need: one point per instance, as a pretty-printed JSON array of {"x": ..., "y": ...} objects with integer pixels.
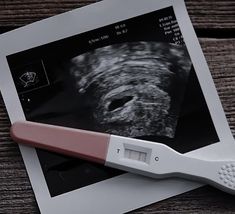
[
  {"x": 133, "y": 89},
  {"x": 133, "y": 78}
]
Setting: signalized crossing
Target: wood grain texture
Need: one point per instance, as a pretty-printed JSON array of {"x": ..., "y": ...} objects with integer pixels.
[
  {"x": 16, "y": 195},
  {"x": 204, "y": 14}
]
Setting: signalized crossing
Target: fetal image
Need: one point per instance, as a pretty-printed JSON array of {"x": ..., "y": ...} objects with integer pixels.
[
  {"x": 133, "y": 78},
  {"x": 133, "y": 89}
]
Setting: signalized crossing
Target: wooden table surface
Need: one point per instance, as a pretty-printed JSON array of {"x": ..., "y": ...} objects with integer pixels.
[{"x": 214, "y": 22}]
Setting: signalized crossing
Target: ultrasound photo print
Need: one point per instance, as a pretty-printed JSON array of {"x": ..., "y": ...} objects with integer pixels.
[
  {"x": 134, "y": 89},
  {"x": 133, "y": 78}
]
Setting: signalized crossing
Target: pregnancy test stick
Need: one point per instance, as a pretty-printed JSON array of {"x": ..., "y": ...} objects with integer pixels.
[{"x": 137, "y": 156}]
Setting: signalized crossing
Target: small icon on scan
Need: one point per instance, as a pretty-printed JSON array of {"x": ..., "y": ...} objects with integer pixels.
[
  {"x": 30, "y": 76},
  {"x": 28, "y": 79}
]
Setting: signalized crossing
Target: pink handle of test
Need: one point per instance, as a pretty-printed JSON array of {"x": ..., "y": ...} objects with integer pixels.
[{"x": 87, "y": 145}]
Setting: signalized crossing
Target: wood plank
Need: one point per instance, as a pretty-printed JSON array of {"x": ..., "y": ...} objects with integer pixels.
[
  {"x": 220, "y": 56},
  {"x": 204, "y": 14},
  {"x": 16, "y": 195},
  {"x": 212, "y": 14}
]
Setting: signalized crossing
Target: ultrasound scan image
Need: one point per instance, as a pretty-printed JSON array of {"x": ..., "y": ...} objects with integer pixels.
[
  {"x": 133, "y": 78},
  {"x": 134, "y": 89}
]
